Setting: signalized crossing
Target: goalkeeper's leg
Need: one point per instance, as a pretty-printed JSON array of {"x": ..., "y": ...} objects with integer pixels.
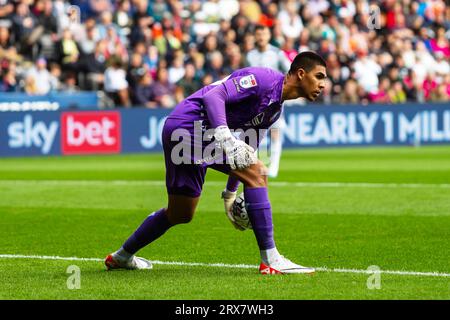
[
  {"x": 259, "y": 211},
  {"x": 180, "y": 210}
]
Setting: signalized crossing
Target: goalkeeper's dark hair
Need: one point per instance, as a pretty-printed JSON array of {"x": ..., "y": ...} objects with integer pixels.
[{"x": 306, "y": 60}]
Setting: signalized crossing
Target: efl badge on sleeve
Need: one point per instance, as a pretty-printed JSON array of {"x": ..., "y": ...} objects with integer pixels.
[{"x": 248, "y": 81}]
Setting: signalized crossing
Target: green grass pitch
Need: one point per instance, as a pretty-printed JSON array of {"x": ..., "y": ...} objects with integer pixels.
[{"x": 385, "y": 207}]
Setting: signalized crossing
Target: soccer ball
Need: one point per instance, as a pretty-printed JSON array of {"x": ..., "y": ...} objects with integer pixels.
[{"x": 239, "y": 212}]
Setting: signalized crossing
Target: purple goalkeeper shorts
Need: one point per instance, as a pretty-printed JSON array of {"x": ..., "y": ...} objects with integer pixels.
[{"x": 186, "y": 171}]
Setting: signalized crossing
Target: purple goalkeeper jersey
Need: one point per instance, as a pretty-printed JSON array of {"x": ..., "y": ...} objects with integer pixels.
[{"x": 252, "y": 100}]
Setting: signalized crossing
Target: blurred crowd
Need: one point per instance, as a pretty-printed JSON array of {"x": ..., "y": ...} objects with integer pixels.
[{"x": 154, "y": 53}]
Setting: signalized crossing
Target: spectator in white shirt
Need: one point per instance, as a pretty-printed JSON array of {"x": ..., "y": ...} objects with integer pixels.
[
  {"x": 42, "y": 77},
  {"x": 366, "y": 72},
  {"x": 115, "y": 82},
  {"x": 442, "y": 66},
  {"x": 176, "y": 70},
  {"x": 265, "y": 54},
  {"x": 291, "y": 23}
]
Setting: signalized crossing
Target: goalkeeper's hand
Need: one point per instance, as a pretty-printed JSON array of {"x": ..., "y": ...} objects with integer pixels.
[
  {"x": 239, "y": 154},
  {"x": 228, "y": 199}
]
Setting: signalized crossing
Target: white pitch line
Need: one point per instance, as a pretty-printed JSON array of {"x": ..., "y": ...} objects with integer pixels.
[
  {"x": 232, "y": 266},
  {"x": 21, "y": 256},
  {"x": 219, "y": 183}
]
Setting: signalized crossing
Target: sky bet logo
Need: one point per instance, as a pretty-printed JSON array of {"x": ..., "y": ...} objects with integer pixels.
[
  {"x": 29, "y": 133},
  {"x": 81, "y": 133},
  {"x": 90, "y": 132}
]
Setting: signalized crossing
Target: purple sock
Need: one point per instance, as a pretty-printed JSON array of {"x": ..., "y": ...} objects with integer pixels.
[
  {"x": 152, "y": 228},
  {"x": 260, "y": 215},
  {"x": 232, "y": 184}
]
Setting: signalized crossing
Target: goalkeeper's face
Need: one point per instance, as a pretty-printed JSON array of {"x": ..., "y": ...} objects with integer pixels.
[{"x": 311, "y": 83}]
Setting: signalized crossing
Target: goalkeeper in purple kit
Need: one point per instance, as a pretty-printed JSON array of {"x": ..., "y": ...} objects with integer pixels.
[{"x": 248, "y": 102}]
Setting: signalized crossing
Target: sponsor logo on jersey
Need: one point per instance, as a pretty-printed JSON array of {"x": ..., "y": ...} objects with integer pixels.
[
  {"x": 248, "y": 81},
  {"x": 256, "y": 120}
]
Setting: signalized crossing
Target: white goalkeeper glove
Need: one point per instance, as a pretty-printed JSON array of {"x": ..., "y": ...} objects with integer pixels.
[
  {"x": 228, "y": 200},
  {"x": 239, "y": 154}
]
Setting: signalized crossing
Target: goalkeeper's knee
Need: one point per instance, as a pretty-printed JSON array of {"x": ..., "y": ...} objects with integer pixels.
[{"x": 254, "y": 176}]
